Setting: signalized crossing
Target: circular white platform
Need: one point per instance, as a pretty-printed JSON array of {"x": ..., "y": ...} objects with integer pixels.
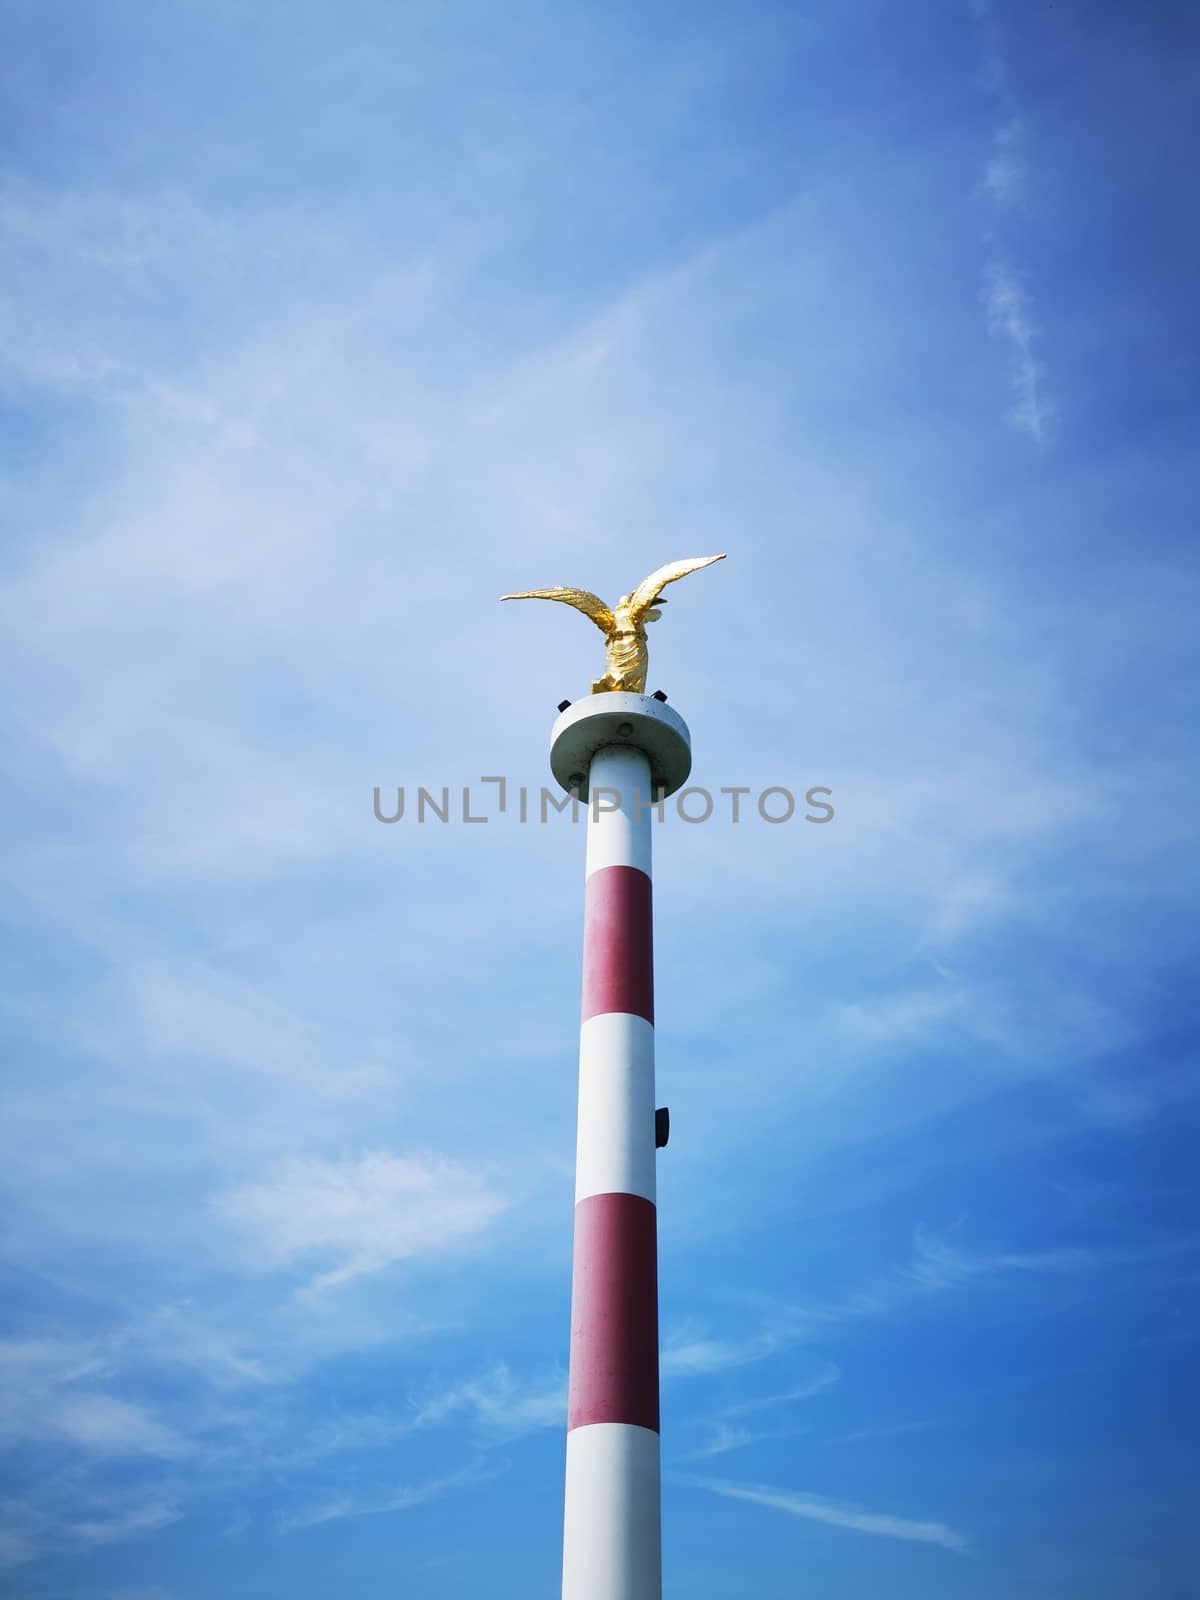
[{"x": 621, "y": 719}]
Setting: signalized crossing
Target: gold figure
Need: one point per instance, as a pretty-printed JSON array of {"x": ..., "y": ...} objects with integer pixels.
[{"x": 623, "y": 625}]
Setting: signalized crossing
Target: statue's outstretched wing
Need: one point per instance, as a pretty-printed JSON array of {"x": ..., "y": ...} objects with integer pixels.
[
  {"x": 590, "y": 604},
  {"x": 648, "y": 591}
]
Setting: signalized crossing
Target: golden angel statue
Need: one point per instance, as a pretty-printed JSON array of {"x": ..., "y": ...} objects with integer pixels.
[{"x": 623, "y": 625}]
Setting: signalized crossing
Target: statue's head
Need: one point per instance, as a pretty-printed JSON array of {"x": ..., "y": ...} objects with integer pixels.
[{"x": 652, "y": 615}]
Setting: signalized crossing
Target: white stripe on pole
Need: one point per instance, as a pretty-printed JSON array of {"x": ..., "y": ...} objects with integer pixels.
[
  {"x": 615, "y": 1145},
  {"x": 611, "y": 1538},
  {"x": 620, "y": 836}
]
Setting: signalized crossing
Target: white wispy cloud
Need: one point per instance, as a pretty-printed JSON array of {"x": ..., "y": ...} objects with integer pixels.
[
  {"x": 723, "y": 1438},
  {"x": 29, "y": 1529},
  {"x": 1007, "y": 297},
  {"x": 496, "y": 1405},
  {"x": 689, "y": 1353},
  {"x": 898, "y": 1017},
  {"x": 369, "y": 1211},
  {"x": 1004, "y": 177},
  {"x": 402, "y": 1497},
  {"x": 854, "y": 1519},
  {"x": 179, "y": 1335},
  {"x": 687, "y": 1357},
  {"x": 115, "y": 1528},
  {"x": 499, "y": 1403},
  {"x": 820, "y": 1383},
  {"x": 968, "y": 900},
  {"x": 939, "y": 1264},
  {"x": 727, "y": 1434},
  {"x": 113, "y": 1427},
  {"x": 1010, "y": 315},
  {"x": 49, "y": 1395},
  {"x": 49, "y": 1400}
]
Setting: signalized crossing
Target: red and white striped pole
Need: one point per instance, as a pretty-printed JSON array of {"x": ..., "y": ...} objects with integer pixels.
[{"x": 620, "y": 752}]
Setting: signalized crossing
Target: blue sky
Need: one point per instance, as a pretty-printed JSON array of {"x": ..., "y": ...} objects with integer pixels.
[{"x": 324, "y": 326}]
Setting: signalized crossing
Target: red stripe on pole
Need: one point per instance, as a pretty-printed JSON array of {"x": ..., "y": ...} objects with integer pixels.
[
  {"x": 614, "y": 1313},
  {"x": 618, "y": 958}
]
